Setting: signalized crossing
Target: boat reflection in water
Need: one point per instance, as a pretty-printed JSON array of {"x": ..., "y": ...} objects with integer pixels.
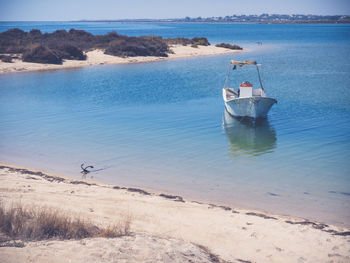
[{"x": 249, "y": 136}]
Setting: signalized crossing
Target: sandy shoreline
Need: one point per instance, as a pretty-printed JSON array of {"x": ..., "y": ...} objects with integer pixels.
[
  {"x": 97, "y": 57},
  {"x": 165, "y": 224}
]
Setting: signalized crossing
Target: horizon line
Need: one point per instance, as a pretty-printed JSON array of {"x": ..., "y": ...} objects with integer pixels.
[{"x": 173, "y": 18}]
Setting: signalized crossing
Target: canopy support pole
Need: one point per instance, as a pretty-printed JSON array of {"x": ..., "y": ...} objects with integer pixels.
[
  {"x": 261, "y": 85},
  {"x": 227, "y": 76}
]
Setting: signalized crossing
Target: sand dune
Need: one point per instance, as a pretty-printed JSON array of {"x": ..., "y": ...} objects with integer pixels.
[
  {"x": 135, "y": 248},
  {"x": 97, "y": 57},
  {"x": 165, "y": 228}
]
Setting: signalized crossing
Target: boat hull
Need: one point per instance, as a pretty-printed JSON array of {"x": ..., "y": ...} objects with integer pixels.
[{"x": 253, "y": 107}]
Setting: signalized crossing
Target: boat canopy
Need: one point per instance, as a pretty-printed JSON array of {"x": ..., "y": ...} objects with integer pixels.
[{"x": 242, "y": 63}]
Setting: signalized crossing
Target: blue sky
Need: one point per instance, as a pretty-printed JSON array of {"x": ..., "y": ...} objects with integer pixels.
[{"x": 52, "y": 10}]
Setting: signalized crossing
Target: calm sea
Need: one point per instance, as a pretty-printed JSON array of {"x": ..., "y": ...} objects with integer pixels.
[{"x": 163, "y": 126}]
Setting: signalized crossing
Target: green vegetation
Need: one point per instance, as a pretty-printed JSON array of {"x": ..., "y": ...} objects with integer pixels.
[
  {"x": 42, "y": 54},
  {"x": 226, "y": 45},
  {"x": 38, "y": 224},
  {"x": 53, "y": 48},
  {"x": 200, "y": 41},
  {"x": 186, "y": 41},
  {"x": 138, "y": 46},
  {"x": 179, "y": 41},
  {"x": 6, "y": 58},
  {"x": 44, "y": 48}
]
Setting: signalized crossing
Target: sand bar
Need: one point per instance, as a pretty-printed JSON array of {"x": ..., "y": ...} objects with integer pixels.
[
  {"x": 97, "y": 57},
  {"x": 165, "y": 227}
]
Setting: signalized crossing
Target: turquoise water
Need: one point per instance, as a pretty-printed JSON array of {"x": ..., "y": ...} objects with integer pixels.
[{"x": 163, "y": 126}]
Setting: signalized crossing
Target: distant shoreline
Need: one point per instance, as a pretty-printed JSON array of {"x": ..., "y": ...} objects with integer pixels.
[
  {"x": 209, "y": 22},
  {"x": 192, "y": 22},
  {"x": 244, "y": 18},
  {"x": 97, "y": 57}
]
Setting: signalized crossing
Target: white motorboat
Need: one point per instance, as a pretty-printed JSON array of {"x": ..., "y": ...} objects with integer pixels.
[{"x": 246, "y": 101}]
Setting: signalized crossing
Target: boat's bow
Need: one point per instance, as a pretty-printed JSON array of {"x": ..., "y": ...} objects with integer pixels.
[{"x": 254, "y": 107}]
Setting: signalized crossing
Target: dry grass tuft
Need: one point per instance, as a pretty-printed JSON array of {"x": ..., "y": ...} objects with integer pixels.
[
  {"x": 122, "y": 228},
  {"x": 17, "y": 222}
]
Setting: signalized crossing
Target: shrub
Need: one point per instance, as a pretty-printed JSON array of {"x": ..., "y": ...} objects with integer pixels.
[
  {"x": 63, "y": 34},
  {"x": 53, "y": 47},
  {"x": 80, "y": 33},
  {"x": 42, "y": 54},
  {"x": 226, "y": 45},
  {"x": 11, "y": 41},
  {"x": 68, "y": 51},
  {"x": 35, "y": 33},
  {"x": 14, "y": 33},
  {"x": 201, "y": 41},
  {"x": 178, "y": 41},
  {"x": 117, "y": 230},
  {"x": 38, "y": 224},
  {"x": 7, "y": 59},
  {"x": 103, "y": 41},
  {"x": 141, "y": 46},
  {"x": 186, "y": 41}
]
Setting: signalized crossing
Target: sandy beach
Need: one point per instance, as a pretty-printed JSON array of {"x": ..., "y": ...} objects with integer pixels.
[
  {"x": 164, "y": 227},
  {"x": 97, "y": 57}
]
